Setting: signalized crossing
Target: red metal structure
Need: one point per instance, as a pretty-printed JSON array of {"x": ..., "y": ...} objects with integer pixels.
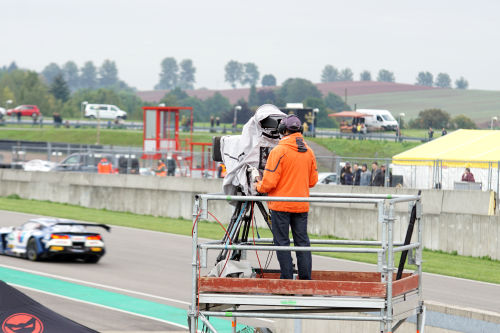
[
  {"x": 161, "y": 138},
  {"x": 161, "y": 131}
]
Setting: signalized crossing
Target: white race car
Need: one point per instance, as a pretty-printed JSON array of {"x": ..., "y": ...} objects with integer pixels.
[{"x": 43, "y": 238}]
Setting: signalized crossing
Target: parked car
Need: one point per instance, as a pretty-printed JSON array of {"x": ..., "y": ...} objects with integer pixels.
[
  {"x": 25, "y": 110},
  {"x": 87, "y": 162},
  {"x": 379, "y": 120},
  {"x": 327, "y": 178},
  {"x": 84, "y": 162},
  {"x": 43, "y": 238},
  {"x": 104, "y": 111},
  {"x": 38, "y": 165},
  {"x": 3, "y": 112}
]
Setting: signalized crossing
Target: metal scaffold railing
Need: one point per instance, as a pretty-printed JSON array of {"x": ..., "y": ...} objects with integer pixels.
[{"x": 388, "y": 295}]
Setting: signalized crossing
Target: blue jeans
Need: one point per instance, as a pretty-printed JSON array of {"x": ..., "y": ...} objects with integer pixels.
[{"x": 282, "y": 221}]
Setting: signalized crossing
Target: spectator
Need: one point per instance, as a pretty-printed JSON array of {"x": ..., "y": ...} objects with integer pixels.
[
  {"x": 18, "y": 114},
  {"x": 170, "y": 165},
  {"x": 66, "y": 124},
  {"x": 377, "y": 178},
  {"x": 357, "y": 174},
  {"x": 217, "y": 121},
  {"x": 444, "y": 132},
  {"x": 41, "y": 120},
  {"x": 468, "y": 176},
  {"x": 389, "y": 179},
  {"x": 348, "y": 176},
  {"x": 34, "y": 116},
  {"x": 212, "y": 121},
  {"x": 366, "y": 176},
  {"x": 57, "y": 119},
  {"x": 342, "y": 172},
  {"x": 221, "y": 171},
  {"x": 431, "y": 133}
]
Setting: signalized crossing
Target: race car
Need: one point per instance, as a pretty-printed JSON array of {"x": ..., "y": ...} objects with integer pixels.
[{"x": 44, "y": 238}]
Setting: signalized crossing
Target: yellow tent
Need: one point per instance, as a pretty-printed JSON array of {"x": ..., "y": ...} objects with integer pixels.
[{"x": 462, "y": 148}]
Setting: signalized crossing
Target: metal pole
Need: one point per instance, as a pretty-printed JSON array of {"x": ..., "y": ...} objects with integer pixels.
[
  {"x": 419, "y": 262},
  {"x": 383, "y": 264},
  {"x": 390, "y": 266},
  {"x": 193, "y": 311}
]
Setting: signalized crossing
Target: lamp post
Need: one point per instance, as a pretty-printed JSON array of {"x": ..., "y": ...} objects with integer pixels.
[
  {"x": 82, "y": 107},
  {"x": 493, "y": 119},
  {"x": 236, "y": 109},
  {"x": 313, "y": 129},
  {"x": 7, "y": 103}
]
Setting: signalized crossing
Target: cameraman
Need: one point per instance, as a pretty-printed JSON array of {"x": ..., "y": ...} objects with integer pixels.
[{"x": 290, "y": 171}]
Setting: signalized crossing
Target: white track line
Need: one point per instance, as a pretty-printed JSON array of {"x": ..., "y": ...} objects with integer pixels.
[
  {"x": 59, "y": 277},
  {"x": 100, "y": 305}
]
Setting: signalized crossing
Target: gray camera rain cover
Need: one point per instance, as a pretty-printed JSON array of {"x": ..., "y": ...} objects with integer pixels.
[{"x": 251, "y": 148}]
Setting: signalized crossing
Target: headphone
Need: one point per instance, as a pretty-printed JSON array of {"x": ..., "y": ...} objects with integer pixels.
[{"x": 282, "y": 127}]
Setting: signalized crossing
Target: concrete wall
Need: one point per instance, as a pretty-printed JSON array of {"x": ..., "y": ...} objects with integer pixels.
[
  {"x": 440, "y": 318},
  {"x": 452, "y": 221}
]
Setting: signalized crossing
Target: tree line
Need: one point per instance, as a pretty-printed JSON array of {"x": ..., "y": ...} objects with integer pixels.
[{"x": 443, "y": 80}]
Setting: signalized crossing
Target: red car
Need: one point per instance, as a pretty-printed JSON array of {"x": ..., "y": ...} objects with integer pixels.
[{"x": 26, "y": 110}]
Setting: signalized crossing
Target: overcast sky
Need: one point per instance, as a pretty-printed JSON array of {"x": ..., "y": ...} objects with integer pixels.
[{"x": 286, "y": 38}]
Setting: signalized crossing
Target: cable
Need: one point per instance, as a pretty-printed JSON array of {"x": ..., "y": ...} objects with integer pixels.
[{"x": 229, "y": 239}]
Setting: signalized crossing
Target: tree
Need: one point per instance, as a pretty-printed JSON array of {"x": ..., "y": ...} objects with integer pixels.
[
  {"x": 253, "y": 99},
  {"x": 88, "y": 76},
  {"x": 461, "y": 83},
  {"x": 443, "y": 80},
  {"x": 336, "y": 103},
  {"x": 385, "y": 76},
  {"x": 329, "y": 74},
  {"x": 346, "y": 75},
  {"x": 268, "y": 96},
  {"x": 217, "y": 105},
  {"x": 268, "y": 80},
  {"x": 425, "y": 79},
  {"x": 169, "y": 74},
  {"x": 50, "y": 72},
  {"x": 108, "y": 74},
  {"x": 70, "y": 74},
  {"x": 234, "y": 72},
  {"x": 321, "y": 118},
  {"x": 365, "y": 76},
  {"x": 296, "y": 90},
  {"x": 461, "y": 121},
  {"x": 250, "y": 75},
  {"x": 186, "y": 77},
  {"x": 59, "y": 88},
  {"x": 436, "y": 118},
  {"x": 12, "y": 67}
]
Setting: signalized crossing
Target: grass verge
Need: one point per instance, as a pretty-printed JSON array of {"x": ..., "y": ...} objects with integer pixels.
[
  {"x": 116, "y": 137},
  {"x": 480, "y": 269},
  {"x": 364, "y": 148}
]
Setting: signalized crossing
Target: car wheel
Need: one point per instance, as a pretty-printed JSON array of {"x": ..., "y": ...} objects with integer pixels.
[
  {"x": 92, "y": 259},
  {"x": 31, "y": 250},
  {"x": 92, "y": 117}
]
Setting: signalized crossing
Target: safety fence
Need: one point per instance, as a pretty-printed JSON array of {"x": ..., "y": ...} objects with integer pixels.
[{"x": 414, "y": 174}]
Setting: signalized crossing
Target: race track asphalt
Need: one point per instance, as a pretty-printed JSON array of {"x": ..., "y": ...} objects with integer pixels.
[{"x": 156, "y": 266}]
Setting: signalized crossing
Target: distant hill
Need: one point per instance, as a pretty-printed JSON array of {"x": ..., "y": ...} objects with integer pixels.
[
  {"x": 339, "y": 88},
  {"x": 479, "y": 105}
]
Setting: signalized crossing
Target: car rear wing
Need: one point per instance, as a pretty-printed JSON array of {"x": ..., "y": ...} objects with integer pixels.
[{"x": 104, "y": 226}]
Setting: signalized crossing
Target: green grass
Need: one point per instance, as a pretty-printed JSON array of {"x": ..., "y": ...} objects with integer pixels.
[
  {"x": 479, "y": 105},
  {"x": 87, "y": 136},
  {"x": 364, "y": 148},
  {"x": 481, "y": 269}
]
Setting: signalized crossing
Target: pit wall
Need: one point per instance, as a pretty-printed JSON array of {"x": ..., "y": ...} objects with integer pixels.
[{"x": 452, "y": 220}]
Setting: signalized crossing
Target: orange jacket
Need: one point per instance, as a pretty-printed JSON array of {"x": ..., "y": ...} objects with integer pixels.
[
  {"x": 161, "y": 170},
  {"x": 290, "y": 172},
  {"x": 104, "y": 166}
]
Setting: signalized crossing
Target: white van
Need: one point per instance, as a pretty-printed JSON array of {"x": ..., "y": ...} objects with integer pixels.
[
  {"x": 104, "y": 111},
  {"x": 379, "y": 120}
]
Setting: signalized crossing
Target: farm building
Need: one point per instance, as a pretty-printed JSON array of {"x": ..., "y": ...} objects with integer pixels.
[{"x": 440, "y": 163}]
